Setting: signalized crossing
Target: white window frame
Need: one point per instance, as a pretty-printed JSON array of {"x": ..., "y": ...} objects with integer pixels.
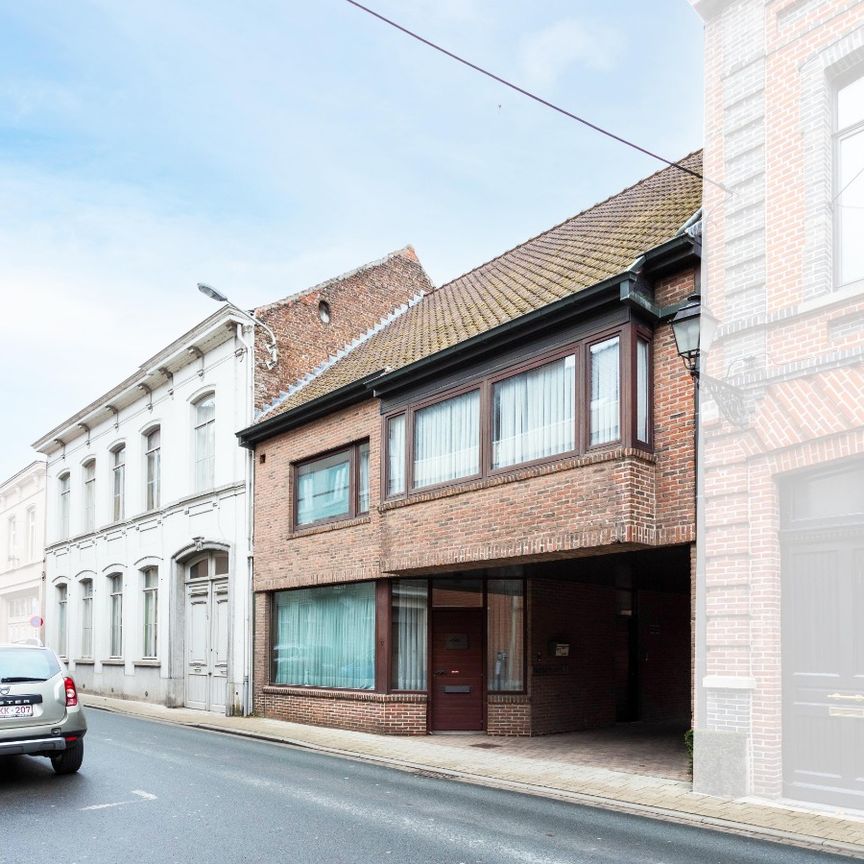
[
  {"x": 89, "y": 486},
  {"x": 62, "y": 595},
  {"x": 204, "y": 465},
  {"x": 32, "y": 551},
  {"x": 64, "y": 493},
  {"x": 118, "y": 483},
  {"x": 152, "y": 469},
  {"x": 115, "y": 616},
  {"x": 87, "y": 594},
  {"x": 150, "y": 601}
]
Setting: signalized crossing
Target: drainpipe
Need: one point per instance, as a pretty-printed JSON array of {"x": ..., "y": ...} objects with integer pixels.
[{"x": 250, "y": 492}]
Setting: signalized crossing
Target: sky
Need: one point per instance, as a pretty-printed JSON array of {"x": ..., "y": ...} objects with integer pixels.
[{"x": 268, "y": 145}]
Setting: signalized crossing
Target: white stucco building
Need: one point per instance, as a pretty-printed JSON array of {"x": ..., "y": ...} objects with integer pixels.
[{"x": 22, "y": 523}]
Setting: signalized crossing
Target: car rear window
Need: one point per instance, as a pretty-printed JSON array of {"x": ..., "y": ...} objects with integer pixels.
[{"x": 27, "y": 663}]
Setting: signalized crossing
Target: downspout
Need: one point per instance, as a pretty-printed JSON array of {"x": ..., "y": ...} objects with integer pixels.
[{"x": 246, "y": 700}]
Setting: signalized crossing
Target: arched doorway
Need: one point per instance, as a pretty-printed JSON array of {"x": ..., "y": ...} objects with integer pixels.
[{"x": 206, "y": 637}]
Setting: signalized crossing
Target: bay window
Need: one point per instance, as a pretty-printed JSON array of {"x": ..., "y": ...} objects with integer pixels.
[
  {"x": 642, "y": 389},
  {"x": 333, "y": 487},
  {"x": 605, "y": 392},
  {"x": 447, "y": 440},
  {"x": 396, "y": 455},
  {"x": 325, "y": 637}
]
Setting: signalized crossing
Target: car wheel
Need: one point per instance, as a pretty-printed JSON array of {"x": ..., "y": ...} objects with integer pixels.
[{"x": 69, "y": 760}]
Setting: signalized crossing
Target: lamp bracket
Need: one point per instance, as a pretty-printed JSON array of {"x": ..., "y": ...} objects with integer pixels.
[{"x": 730, "y": 399}]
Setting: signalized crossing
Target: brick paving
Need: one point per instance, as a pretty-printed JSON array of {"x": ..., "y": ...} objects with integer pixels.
[{"x": 547, "y": 766}]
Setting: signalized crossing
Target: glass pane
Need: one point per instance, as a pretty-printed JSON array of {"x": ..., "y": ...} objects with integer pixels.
[
  {"x": 153, "y": 468},
  {"x": 850, "y": 104},
  {"x": 205, "y": 410},
  {"x": 850, "y": 207},
  {"x": 641, "y": 389},
  {"x": 120, "y": 456},
  {"x": 363, "y": 478},
  {"x": 325, "y": 637},
  {"x": 396, "y": 455},
  {"x": 323, "y": 487},
  {"x": 220, "y": 564},
  {"x": 461, "y": 593},
  {"x": 447, "y": 440},
  {"x": 505, "y": 639},
  {"x": 532, "y": 414},
  {"x": 605, "y": 392},
  {"x": 199, "y": 570},
  {"x": 409, "y": 617},
  {"x": 153, "y": 439}
]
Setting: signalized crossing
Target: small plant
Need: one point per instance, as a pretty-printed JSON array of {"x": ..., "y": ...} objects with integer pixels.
[{"x": 688, "y": 743}]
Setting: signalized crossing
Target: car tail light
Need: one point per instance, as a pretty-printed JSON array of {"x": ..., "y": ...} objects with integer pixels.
[{"x": 71, "y": 692}]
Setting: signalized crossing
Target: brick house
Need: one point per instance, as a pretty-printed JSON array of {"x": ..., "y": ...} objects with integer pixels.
[
  {"x": 481, "y": 517},
  {"x": 780, "y": 658}
]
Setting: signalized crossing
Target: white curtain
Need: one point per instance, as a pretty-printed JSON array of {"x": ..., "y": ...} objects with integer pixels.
[
  {"x": 447, "y": 440},
  {"x": 641, "y": 389},
  {"x": 322, "y": 489},
  {"x": 605, "y": 392},
  {"x": 533, "y": 414},
  {"x": 325, "y": 637},
  {"x": 363, "y": 478},
  {"x": 410, "y": 598},
  {"x": 396, "y": 455}
]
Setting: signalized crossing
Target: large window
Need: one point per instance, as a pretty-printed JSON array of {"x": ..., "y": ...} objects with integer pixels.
[
  {"x": 447, "y": 440},
  {"x": 396, "y": 455},
  {"x": 118, "y": 492},
  {"x": 325, "y": 637},
  {"x": 849, "y": 194},
  {"x": 11, "y": 540},
  {"x": 87, "y": 618},
  {"x": 62, "y": 606},
  {"x": 64, "y": 489},
  {"x": 115, "y": 611},
  {"x": 409, "y": 634},
  {"x": 32, "y": 551},
  {"x": 152, "y": 458},
  {"x": 150, "y": 592},
  {"x": 333, "y": 487},
  {"x": 605, "y": 392},
  {"x": 90, "y": 495},
  {"x": 642, "y": 389},
  {"x": 533, "y": 414},
  {"x": 505, "y": 639},
  {"x": 205, "y": 443}
]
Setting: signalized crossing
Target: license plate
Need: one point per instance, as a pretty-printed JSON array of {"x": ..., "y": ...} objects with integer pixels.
[{"x": 16, "y": 710}]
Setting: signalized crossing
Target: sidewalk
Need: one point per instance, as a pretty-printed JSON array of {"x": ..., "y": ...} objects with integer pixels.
[{"x": 654, "y": 797}]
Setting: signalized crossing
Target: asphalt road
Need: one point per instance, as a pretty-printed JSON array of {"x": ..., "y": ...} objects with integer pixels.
[{"x": 152, "y": 792}]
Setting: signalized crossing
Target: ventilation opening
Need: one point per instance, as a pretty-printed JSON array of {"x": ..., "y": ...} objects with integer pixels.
[{"x": 324, "y": 311}]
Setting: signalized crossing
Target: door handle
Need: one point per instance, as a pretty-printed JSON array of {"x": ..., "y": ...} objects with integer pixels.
[{"x": 858, "y": 697}]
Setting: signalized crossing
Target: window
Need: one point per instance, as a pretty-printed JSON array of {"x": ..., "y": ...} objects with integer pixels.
[
  {"x": 152, "y": 457},
  {"x": 87, "y": 618},
  {"x": 605, "y": 392},
  {"x": 849, "y": 193},
  {"x": 533, "y": 414},
  {"x": 396, "y": 455},
  {"x": 62, "y": 605},
  {"x": 325, "y": 637},
  {"x": 150, "y": 590},
  {"x": 11, "y": 540},
  {"x": 32, "y": 551},
  {"x": 63, "y": 526},
  {"x": 119, "y": 491},
  {"x": 642, "y": 353},
  {"x": 334, "y": 486},
  {"x": 505, "y": 638},
  {"x": 115, "y": 609},
  {"x": 90, "y": 495},
  {"x": 408, "y": 637},
  {"x": 205, "y": 443},
  {"x": 447, "y": 440}
]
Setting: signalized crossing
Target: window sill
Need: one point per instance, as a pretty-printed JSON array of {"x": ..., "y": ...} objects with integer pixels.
[
  {"x": 147, "y": 662},
  {"x": 84, "y": 661},
  {"x": 593, "y": 457},
  {"x": 324, "y": 527},
  {"x": 114, "y": 661},
  {"x": 337, "y": 693}
]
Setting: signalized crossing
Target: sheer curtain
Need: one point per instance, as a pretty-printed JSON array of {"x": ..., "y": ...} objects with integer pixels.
[
  {"x": 605, "y": 392},
  {"x": 325, "y": 637},
  {"x": 533, "y": 414},
  {"x": 410, "y": 600},
  {"x": 363, "y": 478},
  {"x": 396, "y": 455},
  {"x": 447, "y": 440},
  {"x": 505, "y": 633},
  {"x": 322, "y": 488},
  {"x": 641, "y": 389}
]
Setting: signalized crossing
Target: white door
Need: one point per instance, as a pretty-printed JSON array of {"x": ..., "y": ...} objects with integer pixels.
[{"x": 206, "y": 641}]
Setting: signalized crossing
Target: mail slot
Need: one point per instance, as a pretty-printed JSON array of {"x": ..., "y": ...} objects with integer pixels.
[
  {"x": 457, "y": 688},
  {"x": 834, "y": 711}
]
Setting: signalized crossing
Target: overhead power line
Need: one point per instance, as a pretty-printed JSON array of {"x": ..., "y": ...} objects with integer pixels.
[{"x": 529, "y": 94}]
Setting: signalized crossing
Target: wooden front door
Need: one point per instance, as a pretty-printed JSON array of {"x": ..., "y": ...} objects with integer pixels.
[
  {"x": 207, "y": 645},
  {"x": 457, "y": 670},
  {"x": 823, "y": 656}
]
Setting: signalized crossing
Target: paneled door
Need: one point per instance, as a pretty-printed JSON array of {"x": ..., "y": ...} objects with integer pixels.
[{"x": 207, "y": 644}]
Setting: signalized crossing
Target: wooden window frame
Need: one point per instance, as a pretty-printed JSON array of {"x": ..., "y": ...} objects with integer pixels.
[
  {"x": 627, "y": 334},
  {"x": 353, "y": 451}
]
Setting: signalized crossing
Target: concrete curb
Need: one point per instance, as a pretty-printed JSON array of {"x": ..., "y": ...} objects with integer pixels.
[{"x": 680, "y": 817}]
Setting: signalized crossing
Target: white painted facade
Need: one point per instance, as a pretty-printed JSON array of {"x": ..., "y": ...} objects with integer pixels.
[
  {"x": 22, "y": 541},
  {"x": 184, "y": 552}
]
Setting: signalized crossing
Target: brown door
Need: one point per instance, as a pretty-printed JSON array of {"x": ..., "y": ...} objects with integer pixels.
[{"x": 457, "y": 670}]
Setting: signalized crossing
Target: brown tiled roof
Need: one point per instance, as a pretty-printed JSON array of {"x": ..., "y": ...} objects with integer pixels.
[{"x": 596, "y": 244}]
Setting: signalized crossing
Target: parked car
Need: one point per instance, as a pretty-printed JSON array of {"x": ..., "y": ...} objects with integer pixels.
[{"x": 39, "y": 710}]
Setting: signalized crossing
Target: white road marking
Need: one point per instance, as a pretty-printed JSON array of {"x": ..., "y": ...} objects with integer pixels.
[{"x": 142, "y": 796}]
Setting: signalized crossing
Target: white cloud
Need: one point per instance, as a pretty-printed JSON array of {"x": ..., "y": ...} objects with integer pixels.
[{"x": 547, "y": 55}]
